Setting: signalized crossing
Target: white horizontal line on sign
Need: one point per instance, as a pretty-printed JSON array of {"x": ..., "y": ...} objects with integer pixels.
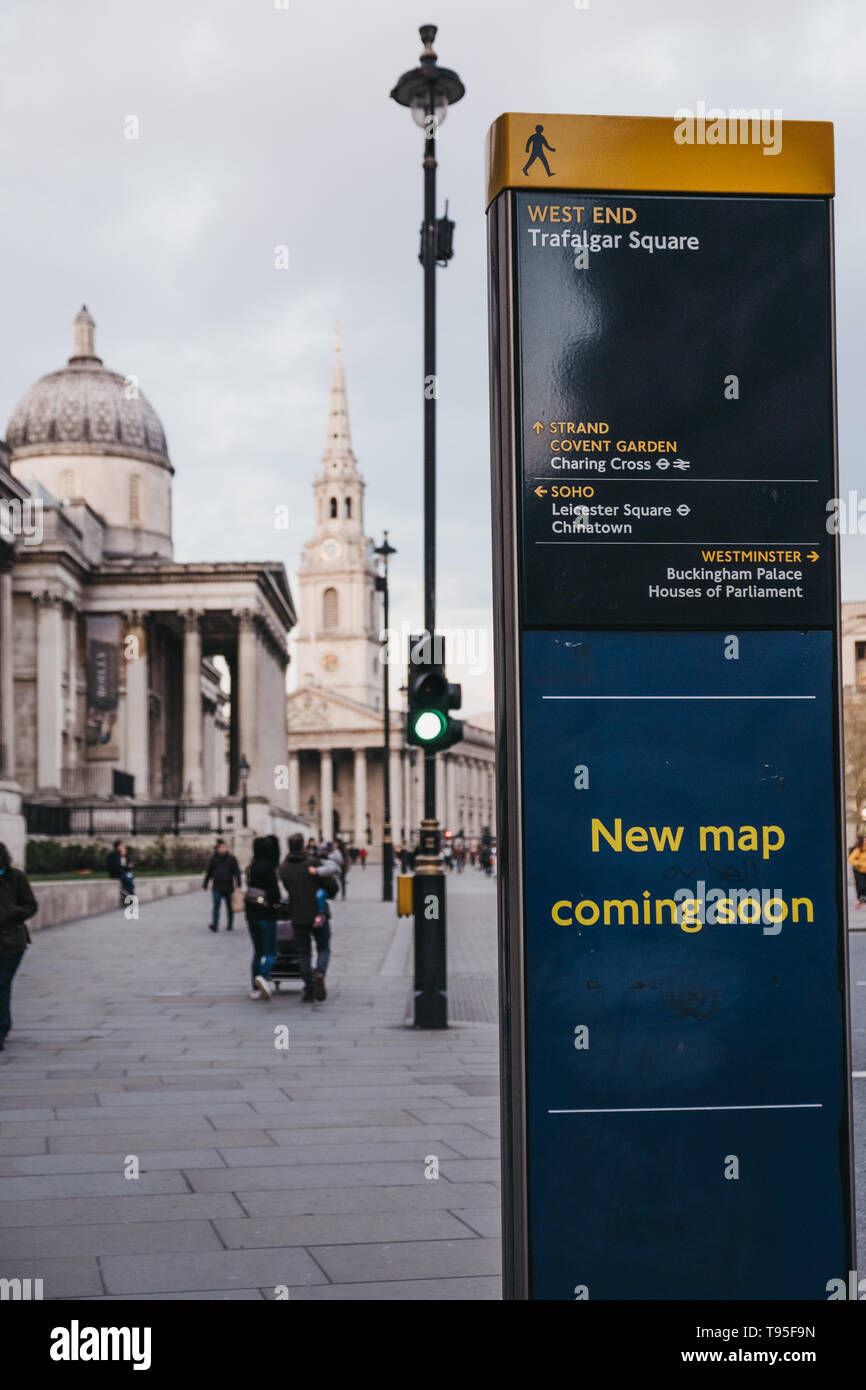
[
  {"x": 658, "y": 1109},
  {"x": 654, "y": 478},
  {"x": 708, "y": 545},
  {"x": 679, "y": 697}
]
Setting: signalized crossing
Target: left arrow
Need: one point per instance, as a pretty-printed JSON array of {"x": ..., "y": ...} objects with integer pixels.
[{"x": 541, "y": 492}]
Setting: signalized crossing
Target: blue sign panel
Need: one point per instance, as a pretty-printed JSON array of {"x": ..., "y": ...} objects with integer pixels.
[
  {"x": 685, "y": 1010},
  {"x": 676, "y": 1104}
]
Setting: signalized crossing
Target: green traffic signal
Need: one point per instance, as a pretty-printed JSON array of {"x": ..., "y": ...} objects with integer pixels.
[
  {"x": 430, "y": 698},
  {"x": 429, "y": 725}
]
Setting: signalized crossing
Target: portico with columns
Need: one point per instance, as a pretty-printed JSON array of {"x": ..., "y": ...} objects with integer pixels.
[{"x": 336, "y": 762}]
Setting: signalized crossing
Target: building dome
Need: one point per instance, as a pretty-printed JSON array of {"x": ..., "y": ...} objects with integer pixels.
[{"x": 85, "y": 408}]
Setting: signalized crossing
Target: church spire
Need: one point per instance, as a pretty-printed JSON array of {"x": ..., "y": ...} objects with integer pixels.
[
  {"x": 83, "y": 342},
  {"x": 338, "y": 456}
]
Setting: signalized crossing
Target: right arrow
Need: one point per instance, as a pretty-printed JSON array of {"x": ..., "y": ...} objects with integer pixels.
[{"x": 813, "y": 556}]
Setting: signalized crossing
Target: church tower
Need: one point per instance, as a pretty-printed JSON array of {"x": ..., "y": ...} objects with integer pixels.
[{"x": 339, "y": 624}]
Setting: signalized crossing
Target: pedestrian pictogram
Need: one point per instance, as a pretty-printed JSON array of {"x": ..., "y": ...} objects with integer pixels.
[{"x": 535, "y": 147}]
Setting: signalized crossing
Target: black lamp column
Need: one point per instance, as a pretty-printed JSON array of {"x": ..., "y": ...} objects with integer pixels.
[{"x": 428, "y": 90}]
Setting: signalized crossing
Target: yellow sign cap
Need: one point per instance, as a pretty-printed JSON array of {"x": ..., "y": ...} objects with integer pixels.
[{"x": 705, "y": 152}]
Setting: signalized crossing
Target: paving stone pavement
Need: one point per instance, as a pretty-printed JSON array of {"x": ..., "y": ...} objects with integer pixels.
[{"x": 258, "y": 1167}]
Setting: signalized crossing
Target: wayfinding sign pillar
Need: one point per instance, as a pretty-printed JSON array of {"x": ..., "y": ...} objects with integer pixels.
[{"x": 672, "y": 918}]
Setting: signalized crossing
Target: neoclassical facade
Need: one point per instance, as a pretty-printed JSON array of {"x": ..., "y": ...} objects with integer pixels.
[
  {"x": 336, "y": 723},
  {"x": 133, "y": 682}
]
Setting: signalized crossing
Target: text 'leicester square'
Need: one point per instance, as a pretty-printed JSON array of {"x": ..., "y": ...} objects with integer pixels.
[{"x": 674, "y": 980}]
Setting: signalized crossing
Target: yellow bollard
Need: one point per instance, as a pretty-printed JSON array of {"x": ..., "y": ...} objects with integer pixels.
[{"x": 405, "y": 895}]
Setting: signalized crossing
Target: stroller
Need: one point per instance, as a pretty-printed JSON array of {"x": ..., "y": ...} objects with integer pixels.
[{"x": 286, "y": 966}]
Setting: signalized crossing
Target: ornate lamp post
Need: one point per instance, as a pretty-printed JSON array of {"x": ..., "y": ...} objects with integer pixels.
[{"x": 428, "y": 91}]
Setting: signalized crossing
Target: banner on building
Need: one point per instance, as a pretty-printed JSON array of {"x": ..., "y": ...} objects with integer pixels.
[{"x": 103, "y": 671}]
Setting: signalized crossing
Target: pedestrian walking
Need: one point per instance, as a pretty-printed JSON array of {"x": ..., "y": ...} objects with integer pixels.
[
  {"x": 263, "y": 900},
  {"x": 857, "y": 860},
  {"x": 362, "y": 855},
  {"x": 17, "y": 903},
  {"x": 224, "y": 876},
  {"x": 118, "y": 865},
  {"x": 299, "y": 875}
]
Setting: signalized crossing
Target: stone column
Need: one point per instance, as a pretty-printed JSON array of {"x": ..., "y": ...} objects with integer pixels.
[
  {"x": 407, "y": 794},
  {"x": 11, "y": 820},
  {"x": 441, "y": 810},
  {"x": 7, "y": 683},
  {"x": 137, "y": 720},
  {"x": 209, "y": 749},
  {"x": 247, "y": 696},
  {"x": 451, "y": 793},
  {"x": 360, "y": 796},
  {"x": 294, "y": 783},
  {"x": 326, "y": 793},
  {"x": 192, "y": 714},
  {"x": 72, "y": 684},
  {"x": 396, "y": 796},
  {"x": 49, "y": 691},
  {"x": 471, "y": 786}
]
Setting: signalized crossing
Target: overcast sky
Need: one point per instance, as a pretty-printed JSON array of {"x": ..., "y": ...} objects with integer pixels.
[{"x": 261, "y": 127}]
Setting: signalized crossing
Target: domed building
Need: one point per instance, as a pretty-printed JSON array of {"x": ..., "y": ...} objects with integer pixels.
[
  {"x": 115, "y": 715},
  {"x": 87, "y": 427}
]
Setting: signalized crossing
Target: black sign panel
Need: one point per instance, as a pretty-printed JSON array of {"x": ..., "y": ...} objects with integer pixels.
[{"x": 675, "y": 422}]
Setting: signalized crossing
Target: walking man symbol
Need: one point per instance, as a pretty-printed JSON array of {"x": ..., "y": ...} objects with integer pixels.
[{"x": 537, "y": 144}]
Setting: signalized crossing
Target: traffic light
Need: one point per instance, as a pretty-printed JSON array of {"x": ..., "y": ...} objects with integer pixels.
[{"x": 431, "y": 697}]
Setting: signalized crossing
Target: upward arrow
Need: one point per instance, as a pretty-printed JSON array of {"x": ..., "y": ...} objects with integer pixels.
[{"x": 538, "y": 427}]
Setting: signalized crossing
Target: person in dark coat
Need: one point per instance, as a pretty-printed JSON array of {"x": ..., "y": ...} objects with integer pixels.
[
  {"x": 119, "y": 865},
  {"x": 262, "y": 912},
  {"x": 17, "y": 903},
  {"x": 223, "y": 872},
  {"x": 300, "y": 877}
]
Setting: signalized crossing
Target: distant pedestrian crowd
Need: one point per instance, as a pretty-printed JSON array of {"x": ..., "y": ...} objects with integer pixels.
[{"x": 286, "y": 905}]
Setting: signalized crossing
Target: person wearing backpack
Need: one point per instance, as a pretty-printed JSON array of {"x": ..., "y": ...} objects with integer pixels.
[
  {"x": 303, "y": 881},
  {"x": 17, "y": 903},
  {"x": 262, "y": 908}
]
